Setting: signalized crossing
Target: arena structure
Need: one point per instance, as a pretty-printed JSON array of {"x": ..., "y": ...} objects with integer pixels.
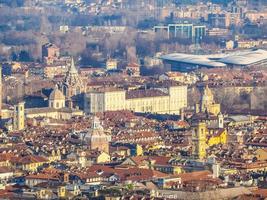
[{"x": 188, "y": 62}]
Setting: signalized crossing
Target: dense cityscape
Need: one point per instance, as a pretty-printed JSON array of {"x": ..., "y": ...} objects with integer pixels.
[{"x": 133, "y": 99}]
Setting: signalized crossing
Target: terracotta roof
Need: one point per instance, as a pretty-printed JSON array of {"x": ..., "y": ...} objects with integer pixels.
[
  {"x": 159, "y": 160},
  {"x": 198, "y": 175},
  {"x": 5, "y": 170},
  {"x": 261, "y": 192},
  {"x": 30, "y": 159},
  {"x": 42, "y": 176}
]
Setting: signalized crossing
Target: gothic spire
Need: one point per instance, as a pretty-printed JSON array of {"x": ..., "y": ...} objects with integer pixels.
[{"x": 73, "y": 69}]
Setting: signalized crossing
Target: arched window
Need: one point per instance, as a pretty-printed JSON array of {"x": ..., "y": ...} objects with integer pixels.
[{"x": 65, "y": 90}]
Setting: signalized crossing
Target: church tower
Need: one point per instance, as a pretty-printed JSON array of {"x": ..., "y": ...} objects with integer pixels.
[
  {"x": 199, "y": 141},
  {"x": 97, "y": 138},
  {"x": 207, "y": 102},
  {"x": 220, "y": 120},
  {"x": 19, "y": 116},
  {"x": 207, "y": 98},
  {"x": 72, "y": 86}
]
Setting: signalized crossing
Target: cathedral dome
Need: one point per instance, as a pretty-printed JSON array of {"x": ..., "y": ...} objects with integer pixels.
[{"x": 56, "y": 94}]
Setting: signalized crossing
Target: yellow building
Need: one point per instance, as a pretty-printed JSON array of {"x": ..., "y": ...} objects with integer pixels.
[
  {"x": 261, "y": 154},
  {"x": 207, "y": 102},
  {"x": 111, "y": 64},
  {"x": 45, "y": 194},
  {"x": 63, "y": 193},
  {"x": 31, "y": 163},
  {"x": 218, "y": 136},
  {"x": 203, "y": 138},
  {"x": 103, "y": 157},
  {"x": 14, "y": 117},
  {"x": 139, "y": 150},
  {"x": 55, "y": 155},
  {"x": 199, "y": 141}
]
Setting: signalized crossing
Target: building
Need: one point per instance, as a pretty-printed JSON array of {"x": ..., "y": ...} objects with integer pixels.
[
  {"x": 188, "y": 62},
  {"x": 50, "y": 52},
  {"x": 229, "y": 45},
  {"x": 189, "y": 31},
  {"x": 97, "y": 138},
  {"x": 46, "y": 112},
  {"x": 111, "y": 64},
  {"x": 256, "y": 15},
  {"x": 207, "y": 103},
  {"x": 219, "y": 20},
  {"x": 72, "y": 86},
  {"x": 162, "y": 100},
  {"x": 204, "y": 137},
  {"x": 247, "y": 44},
  {"x": 20, "y": 116},
  {"x": 56, "y": 99},
  {"x": 215, "y": 32},
  {"x": 13, "y": 118},
  {"x": 133, "y": 69},
  {"x": 199, "y": 138},
  {"x": 55, "y": 70}
]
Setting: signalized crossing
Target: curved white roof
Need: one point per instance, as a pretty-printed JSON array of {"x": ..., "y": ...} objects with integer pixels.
[
  {"x": 193, "y": 59},
  {"x": 246, "y": 57}
]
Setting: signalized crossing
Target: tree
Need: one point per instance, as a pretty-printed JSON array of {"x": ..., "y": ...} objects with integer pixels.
[{"x": 13, "y": 56}]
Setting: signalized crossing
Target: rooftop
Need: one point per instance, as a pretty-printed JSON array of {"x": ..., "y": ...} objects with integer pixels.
[{"x": 246, "y": 57}]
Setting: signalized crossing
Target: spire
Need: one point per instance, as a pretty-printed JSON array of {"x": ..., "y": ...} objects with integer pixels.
[
  {"x": 72, "y": 69},
  {"x": 96, "y": 123}
]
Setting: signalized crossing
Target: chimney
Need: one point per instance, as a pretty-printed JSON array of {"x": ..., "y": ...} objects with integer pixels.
[{"x": 182, "y": 114}]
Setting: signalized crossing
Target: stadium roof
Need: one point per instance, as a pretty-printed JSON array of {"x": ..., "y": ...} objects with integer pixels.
[
  {"x": 192, "y": 59},
  {"x": 246, "y": 57}
]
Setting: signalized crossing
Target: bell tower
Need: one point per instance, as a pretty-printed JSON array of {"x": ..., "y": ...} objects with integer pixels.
[{"x": 199, "y": 141}]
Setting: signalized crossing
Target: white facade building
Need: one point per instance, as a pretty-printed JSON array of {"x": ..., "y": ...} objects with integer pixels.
[{"x": 161, "y": 100}]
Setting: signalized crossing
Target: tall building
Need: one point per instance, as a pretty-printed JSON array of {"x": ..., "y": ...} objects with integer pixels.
[
  {"x": 188, "y": 31},
  {"x": 199, "y": 141},
  {"x": 97, "y": 138},
  {"x": 72, "y": 86},
  {"x": 50, "y": 52},
  {"x": 207, "y": 102},
  {"x": 19, "y": 116}
]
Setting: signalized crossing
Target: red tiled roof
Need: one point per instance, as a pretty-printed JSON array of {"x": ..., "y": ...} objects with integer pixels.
[{"x": 30, "y": 159}]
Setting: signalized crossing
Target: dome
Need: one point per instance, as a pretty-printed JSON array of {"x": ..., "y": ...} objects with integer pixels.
[{"x": 56, "y": 94}]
